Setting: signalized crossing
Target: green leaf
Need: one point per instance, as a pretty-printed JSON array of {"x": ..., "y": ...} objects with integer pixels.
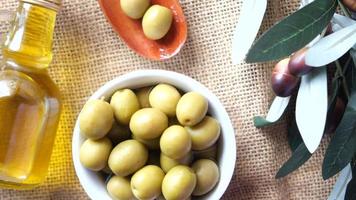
[
  {"x": 260, "y": 122},
  {"x": 335, "y": 87},
  {"x": 335, "y": 92},
  {"x": 353, "y": 167},
  {"x": 300, "y": 153},
  {"x": 351, "y": 190},
  {"x": 298, "y": 158},
  {"x": 351, "y": 71},
  {"x": 293, "y": 32},
  {"x": 294, "y": 137},
  {"x": 342, "y": 146}
]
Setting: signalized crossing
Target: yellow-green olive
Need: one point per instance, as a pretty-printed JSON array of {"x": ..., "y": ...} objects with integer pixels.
[
  {"x": 94, "y": 154},
  {"x": 179, "y": 183},
  {"x": 119, "y": 188},
  {"x": 204, "y": 134},
  {"x": 148, "y": 123},
  {"x": 152, "y": 144},
  {"x": 162, "y": 198},
  {"x": 165, "y": 97},
  {"x": 146, "y": 183},
  {"x": 135, "y": 9},
  {"x": 127, "y": 157},
  {"x": 143, "y": 96},
  {"x": 207, "y": 173},
  {"x": 156, "y": 22},
  {"x": 95, "y": 119},
  {"x": 175, "y": 142},
  {"x": 209, "y": 153},
  {"x": 118, "y": 133},
  {"x": 125, "y": 104},
  {"x": 168, "y": 163},
  {"x": 153, "y": 158},
  {"x": 191, "y": 108}
]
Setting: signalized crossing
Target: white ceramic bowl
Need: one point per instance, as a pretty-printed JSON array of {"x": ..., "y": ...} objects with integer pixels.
[{"x": 93, "y": 183}]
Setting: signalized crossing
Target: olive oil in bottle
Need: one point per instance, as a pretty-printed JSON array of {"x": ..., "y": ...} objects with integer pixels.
[{"x": 29, "y": 100}]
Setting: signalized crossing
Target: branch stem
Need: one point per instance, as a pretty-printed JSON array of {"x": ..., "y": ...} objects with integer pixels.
[{"x": 344, "y": 10}]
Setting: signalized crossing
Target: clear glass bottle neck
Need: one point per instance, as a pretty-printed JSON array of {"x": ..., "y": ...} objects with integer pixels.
[{"x": 29, "y": 42}]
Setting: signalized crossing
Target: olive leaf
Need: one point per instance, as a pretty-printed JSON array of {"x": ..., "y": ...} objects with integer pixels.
[
  {"x": 275, "y": 112},
  {"x": 335, "y": 90},
  {"x": 342, "y": 21},
  {"x": 331, "y": 47},
  {"x": 293, "y": 32},
  {"x": 260, "y": 122},
  {"x": 332, "y": 119},
  {"x": 340, "y": 185},
  {"x": 353, "y": 166},
  {"x": 298, "y": 158},
  {"x": 351, "y": 190},
  {"x": 351, "y": 72},
  {"x": 294, "y": 137},
  {"x": 342, "y": 146},
  {"x": 300, "y": 153},
  {"x": 311, "y": 107}
]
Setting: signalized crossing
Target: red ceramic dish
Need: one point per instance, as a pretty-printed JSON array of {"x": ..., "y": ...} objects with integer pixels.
[{"x": 131, "y": 32}]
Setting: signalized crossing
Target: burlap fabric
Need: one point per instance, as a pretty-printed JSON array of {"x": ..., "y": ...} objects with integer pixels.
[{"x": 88, "y": 53}]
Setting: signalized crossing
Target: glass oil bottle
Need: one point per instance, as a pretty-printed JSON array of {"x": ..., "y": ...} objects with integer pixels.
[{"x": 29, "y": 100}]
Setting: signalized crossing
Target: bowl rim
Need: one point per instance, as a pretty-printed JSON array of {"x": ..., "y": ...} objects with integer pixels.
[{"x": 111, "y": 86}]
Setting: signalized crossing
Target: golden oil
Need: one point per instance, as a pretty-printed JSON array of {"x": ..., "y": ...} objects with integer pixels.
[
  {"x": 29, "y": 100},
  {"x": 29, "y": 43}
]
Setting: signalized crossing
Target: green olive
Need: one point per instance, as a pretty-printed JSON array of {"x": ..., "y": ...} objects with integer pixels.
[
  {"x": 146, "y": 183},
  {"x": 148, "y": 123},
  {"x": 168, "y": 163},
  {"x": 209, "y": 153},
  {"x": 143, "y": 96},
  {"x": 94, "y": 154},
  {"x": 127, "y": 157},
  {"x": 162, "y": 198},
  {"x": 154, "y": 158},
  {"x": 95, "y": 119},
  {"x": 156, "y": 22},
  {"x": 191, "y": 108},
  {"x": 175, "y": 142},
  {"x": 165, "y": 97},
  {"x": 179, "y": 183},
  {"x": 205, "y": 183},
  {"x": 119, "y": 188},
  {"x": 125, "y": 104},
  {"x": 152, "y": 144},
  {"x": 134, "y": 8},
  {"x": 204, "y": 134},
  {"x": 118, "y": 133}
]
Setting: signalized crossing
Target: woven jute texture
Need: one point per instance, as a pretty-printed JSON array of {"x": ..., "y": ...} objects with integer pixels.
[{"x": 89, "y": 53}]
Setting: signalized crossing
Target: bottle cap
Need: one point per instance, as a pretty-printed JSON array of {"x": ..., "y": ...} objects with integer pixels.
[{"x": 52, "y": 4}]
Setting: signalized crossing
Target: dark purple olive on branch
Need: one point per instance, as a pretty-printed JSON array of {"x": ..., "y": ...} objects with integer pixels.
[
  {"x": 350, "y": 4},
  {"x": 283, "y": 82},
  {"x": 297, "y": 64}
]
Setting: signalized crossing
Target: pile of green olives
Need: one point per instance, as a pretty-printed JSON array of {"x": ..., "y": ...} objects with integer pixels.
[
  {"x": 156, "y": 20},
  {"x": 151, "y": 143}
]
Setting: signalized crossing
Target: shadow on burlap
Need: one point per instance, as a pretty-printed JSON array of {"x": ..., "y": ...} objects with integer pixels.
[{"x": 88, "y": 53}]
